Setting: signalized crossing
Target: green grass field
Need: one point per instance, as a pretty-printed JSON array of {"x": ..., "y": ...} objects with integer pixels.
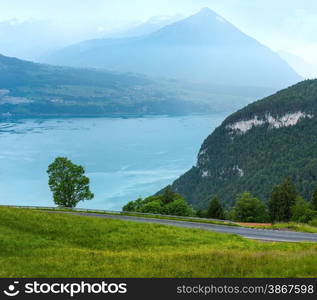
[
  {"x": 39, "y": 244},
  {"x": 151, "y": 216}
]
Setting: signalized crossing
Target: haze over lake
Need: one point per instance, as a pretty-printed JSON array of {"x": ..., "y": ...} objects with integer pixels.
[{"x": 125, "y": 158}]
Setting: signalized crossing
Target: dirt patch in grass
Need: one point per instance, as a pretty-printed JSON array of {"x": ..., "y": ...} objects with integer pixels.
[{"x": 254, "y": 224}]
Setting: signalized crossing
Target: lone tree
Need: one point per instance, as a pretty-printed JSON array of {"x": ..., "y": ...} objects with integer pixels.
[
  {"x": 68, "y": 183},
  {"x": 282, "y": 199},
  {"x": 215, "y": 209}
]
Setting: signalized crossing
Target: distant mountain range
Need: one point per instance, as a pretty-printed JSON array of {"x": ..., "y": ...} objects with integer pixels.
[
  {"x": 31, "y": 89},
  {"x": 258, "y": 147},
  {"x": 203, "y": 48}
]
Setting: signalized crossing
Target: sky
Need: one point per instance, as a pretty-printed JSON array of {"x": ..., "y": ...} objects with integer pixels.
[{"x": 284, "y": 25}]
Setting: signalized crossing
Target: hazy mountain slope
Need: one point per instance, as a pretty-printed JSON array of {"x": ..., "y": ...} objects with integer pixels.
[
  {"x": 306, "y": 69},
  {"x": 30, "y": 89},
  {"x": 257, "y": 147},
  {"x": 203, "y": 48}
]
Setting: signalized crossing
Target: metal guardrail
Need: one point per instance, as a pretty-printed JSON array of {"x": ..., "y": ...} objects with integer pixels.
[{"x": 113, "y": 212}]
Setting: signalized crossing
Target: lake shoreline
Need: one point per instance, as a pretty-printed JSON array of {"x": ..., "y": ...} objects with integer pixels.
[{"x": 100, "y": 116}]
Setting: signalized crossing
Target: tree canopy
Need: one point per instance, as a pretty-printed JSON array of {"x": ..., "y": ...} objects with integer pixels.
[
  {"x": 302, "y": 211},
  {"x": 215, "y": 209},
  {"x": 249, "y": 209},
  {"x": 283, "y": 197},
  {"x": 68, "y": 182},
  {"x": 168, "y": 203}
]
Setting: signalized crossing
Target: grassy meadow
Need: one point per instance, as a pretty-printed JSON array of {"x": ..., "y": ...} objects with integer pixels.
[
  {"x": 40, "y": 244},
  {"x": 148, "y": 215}
]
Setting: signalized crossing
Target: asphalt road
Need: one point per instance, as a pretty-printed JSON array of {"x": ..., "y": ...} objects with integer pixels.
[{"x": 258, "y": 234}]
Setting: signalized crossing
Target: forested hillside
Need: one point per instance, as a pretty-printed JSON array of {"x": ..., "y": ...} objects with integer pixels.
[
  {"x": 30, "y": 89},
  {"x": 258, "y": 147}
]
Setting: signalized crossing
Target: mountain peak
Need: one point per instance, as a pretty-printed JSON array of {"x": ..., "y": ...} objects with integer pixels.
[
  {"x": 204, "y": 27},
  {"x": 202, "y": 48},
  {"x": 206, "y": 12},
  {"x": 209, "y": 15}
]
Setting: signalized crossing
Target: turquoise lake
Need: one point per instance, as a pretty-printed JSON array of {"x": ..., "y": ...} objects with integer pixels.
[{"x": 125, "y": 158}]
